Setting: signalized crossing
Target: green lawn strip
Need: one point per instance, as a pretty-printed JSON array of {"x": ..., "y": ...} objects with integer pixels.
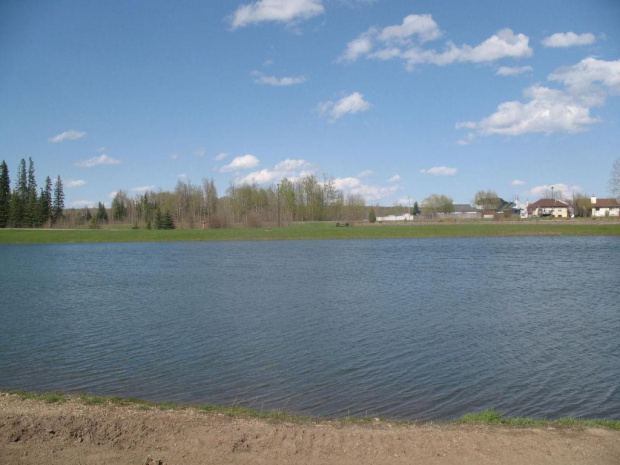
[
  {"x": 317, "y": 230},
  {"x": 486, "y": 417}
]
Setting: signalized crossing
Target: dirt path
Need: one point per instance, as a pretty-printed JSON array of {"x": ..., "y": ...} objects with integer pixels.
[{"x": 33, "y": 432}]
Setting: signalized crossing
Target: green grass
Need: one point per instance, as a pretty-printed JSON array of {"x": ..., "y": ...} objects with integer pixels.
[
  {"x": 493, "y": 417},
  {"x": 486, "y": 417},
  {"x": 318, "y": 230}
]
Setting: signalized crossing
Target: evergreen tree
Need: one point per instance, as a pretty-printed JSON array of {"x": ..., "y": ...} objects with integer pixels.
[
  {"x": 43, "y": 210},
  {"x": 372, "y": 217},
  {"x": 32, "y": 204},
  {"x": 416, "y": 209},
  {"x": 167, "y": 221},
  {"x": 58, "y": 204},
  {"x": 102, "y": 213},
  {"x": 5, "y": 195},
  {"x": 20, "y": 200},
  {"x": 159, "y": 224}
]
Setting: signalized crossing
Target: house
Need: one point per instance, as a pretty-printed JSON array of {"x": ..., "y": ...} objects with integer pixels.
[
  {"x": 549, "y": 207},
  {"x": 464, "y": 210},
  {"x": 605, "y": 207}
]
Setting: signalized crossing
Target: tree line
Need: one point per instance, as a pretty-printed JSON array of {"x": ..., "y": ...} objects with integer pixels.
[{"x": 26, "y": 207}]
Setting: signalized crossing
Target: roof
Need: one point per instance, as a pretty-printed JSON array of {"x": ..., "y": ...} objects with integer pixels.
[
  {"x": 609, "y": 203},
  {"x": 548, "y": 203}
]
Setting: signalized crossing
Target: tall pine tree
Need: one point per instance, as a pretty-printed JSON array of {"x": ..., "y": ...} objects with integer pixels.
[
  {"x": 19, "y": 201},
  {"x": 58, "y": 204},
  {"x": 5, "y": 195}
]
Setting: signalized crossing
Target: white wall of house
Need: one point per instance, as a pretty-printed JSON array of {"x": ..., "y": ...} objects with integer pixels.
[{"x": 605, "y": 211}]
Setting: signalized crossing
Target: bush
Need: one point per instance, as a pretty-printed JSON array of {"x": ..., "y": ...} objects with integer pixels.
[{"x": 372, "y": 217}]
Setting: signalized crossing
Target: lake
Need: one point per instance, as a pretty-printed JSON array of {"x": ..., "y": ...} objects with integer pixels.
[{"x": 411, "y": 329}]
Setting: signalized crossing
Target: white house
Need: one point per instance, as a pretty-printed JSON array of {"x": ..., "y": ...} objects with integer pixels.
[{"x": 605, "y": 207}]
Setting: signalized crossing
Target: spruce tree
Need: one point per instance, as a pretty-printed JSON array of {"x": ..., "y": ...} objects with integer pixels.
[
  {"x": 19, "y": 201},
  {"x": 58, "y": 204},
  {"x": 102, "y": 213},
  {"x": 416, "y": 209},
  {"x": 32, "y": 204},
  {"x": 168, "y": 222},
  {"x": 5, "y": 195}
]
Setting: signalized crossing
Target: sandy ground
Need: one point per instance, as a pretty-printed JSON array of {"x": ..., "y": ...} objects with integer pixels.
[{"x": 33, "y": 432}]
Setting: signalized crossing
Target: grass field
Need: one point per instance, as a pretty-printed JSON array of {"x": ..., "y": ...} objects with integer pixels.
[{"x": 316, "y": 230}]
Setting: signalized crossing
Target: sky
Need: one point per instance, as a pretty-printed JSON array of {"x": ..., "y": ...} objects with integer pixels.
[{"x": 395, "y": 100}]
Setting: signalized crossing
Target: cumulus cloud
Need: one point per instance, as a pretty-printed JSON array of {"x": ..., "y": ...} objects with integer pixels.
[
  {"x": 439, "y": 171},
  {"x": 354, "y": 186},
  {"x": 364, "y": 173},
  {"x": 100, "y": 160},
  {"x": 72, "y": 134},
  {"x": 351, "y": 104},
  {"x": 75, "y": 183},
  {"x": 112, "y": 194},
  {"x": 568, "y": 39},
  {"x": 260, "y": 78},
  {"x": 513, "y": 70},
  {"x": 289, "y": 168},
  {"x": 283, "y": 11},
  {"x": 241, "y": 163},
  {"x": 586, "y": 85},
  {"x": 404, "y": 41},
  {"x": 142, "y": 188},
  {"x": 559, "y": 190},
  {"x": 395, "y": 178},
  {"x": 517, "y": 182},
  {"x": 220, "y": 156}
]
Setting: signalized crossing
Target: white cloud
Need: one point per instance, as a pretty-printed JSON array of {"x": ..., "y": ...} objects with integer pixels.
[
  {"x": 277, "y": 82},
  {"x": 421, "y": 25},
  {"x": 439, "y": 171},
  {"x": 346, "y": 183},
  {"x": 351, "y": 104},
  {"x": 547, "y": 111},
  {"x": 513, "y": 70},
  {"x": 241, "y": 163},
  {"x": 83, "y": 204},
  {"x": 395, "y": 178},
  {"x": 72, "y": 134},
  {"x": 404, "y": 41},
  {"x": 517, "y": 182},
  {"x": 77, "y": 183},
  {"x": 284, "y": 11},
  {"x": 289, "y": 168},
  {"x": 289, "y": 165},
  {"x": 263, "y": 176},
  {"x": 568, "y": 39},
  {"x": 559, "y": 190},
  {"x": 112, "y": 194},
  {"x": 353, "y": 186},
  {"x": 466, "y": 124},
  {"x": 587, "y": 84},
  {"x": 220, "y": 156},
  {"x": 174, "y": 156},
  {"x": 581, "y": 78},
  {"x": 364, "y": 174},
  {"x": 100, "y": 160},
  {"x": 142, "y": 188},
  {"x": 182, "y": 176},
  {"x": 356, "y": 48}
]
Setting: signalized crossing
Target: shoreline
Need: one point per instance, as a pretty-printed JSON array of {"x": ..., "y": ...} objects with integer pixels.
[
  {"x": 95, "y": 430},
  {"x": 321, "y": 231}
]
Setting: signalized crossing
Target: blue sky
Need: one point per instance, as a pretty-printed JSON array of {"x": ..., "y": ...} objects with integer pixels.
[{"x": 394, "y": 99}]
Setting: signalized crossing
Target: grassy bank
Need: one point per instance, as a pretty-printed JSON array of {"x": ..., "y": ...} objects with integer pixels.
[
  {"x": 316, "y": 230},
  {"x": 488, "y": 417}
]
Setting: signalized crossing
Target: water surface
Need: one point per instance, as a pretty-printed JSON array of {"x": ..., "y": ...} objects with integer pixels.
[{"x": 424, "y": 328}]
